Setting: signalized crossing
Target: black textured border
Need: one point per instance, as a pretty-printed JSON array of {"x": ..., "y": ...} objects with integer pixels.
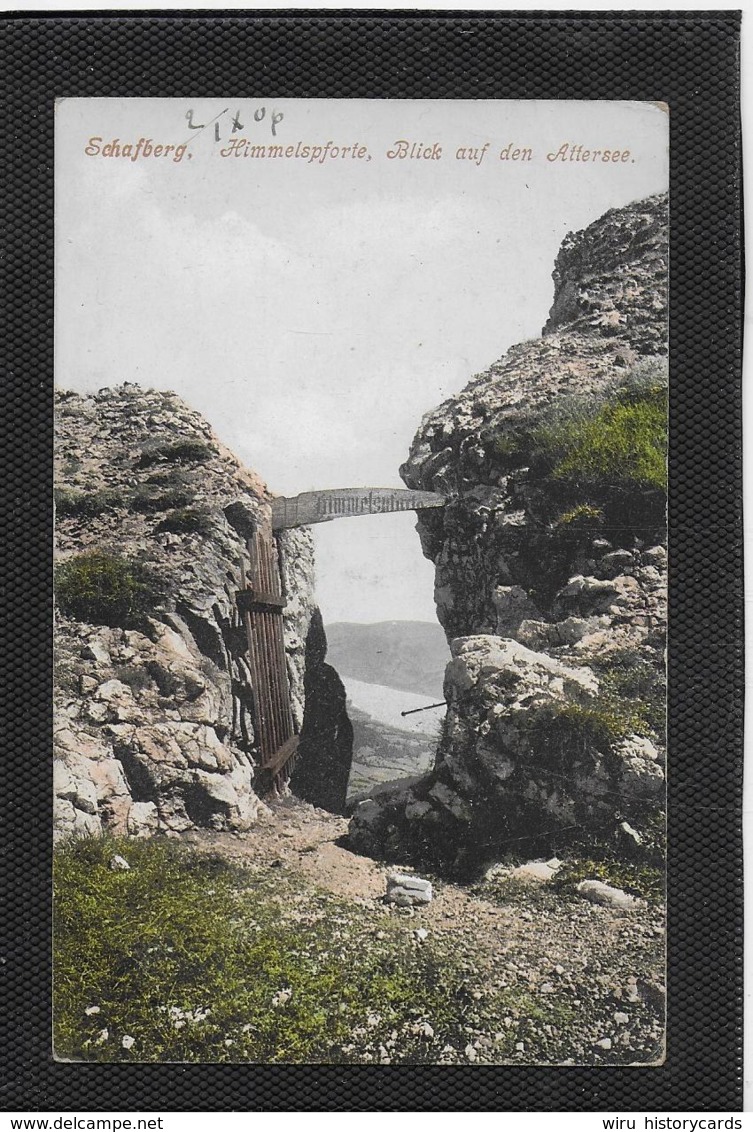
[{"x": 690, "y": 61}]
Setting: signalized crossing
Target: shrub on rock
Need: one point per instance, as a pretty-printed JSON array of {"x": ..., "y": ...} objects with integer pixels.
[
  {"x": 106, "y": 589},
  {"x": 190, "y": 450}
]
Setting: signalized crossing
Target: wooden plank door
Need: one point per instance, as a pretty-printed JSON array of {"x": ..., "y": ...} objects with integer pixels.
[{"x": 260, "y": 603}]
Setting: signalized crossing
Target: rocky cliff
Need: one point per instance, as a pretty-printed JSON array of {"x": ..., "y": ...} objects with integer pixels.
[
  {"x": 550, "y": 574},
  {"x": 154, "y": 712}
]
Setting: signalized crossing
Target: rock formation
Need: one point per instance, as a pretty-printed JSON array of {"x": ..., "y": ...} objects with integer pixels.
[
  {"x": 325, "y": 753},
  {"x": 154, "y": 713},
  {"x": 550, "y": 574}
]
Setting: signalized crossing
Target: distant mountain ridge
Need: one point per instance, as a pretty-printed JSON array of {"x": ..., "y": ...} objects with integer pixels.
[{"x": 410, "y": 656}]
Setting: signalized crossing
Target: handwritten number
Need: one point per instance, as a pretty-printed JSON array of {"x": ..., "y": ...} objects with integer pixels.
[{"x": 259, "y": 115}]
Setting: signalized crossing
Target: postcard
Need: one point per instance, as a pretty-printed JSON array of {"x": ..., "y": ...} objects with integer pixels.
[{"x": 361, "y": 578}]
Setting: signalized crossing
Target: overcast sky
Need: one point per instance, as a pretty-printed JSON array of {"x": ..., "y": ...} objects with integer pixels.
[{"x": 313, "y": 312}]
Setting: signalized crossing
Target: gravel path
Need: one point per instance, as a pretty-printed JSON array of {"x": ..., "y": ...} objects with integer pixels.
[{"x": 594, "y": 974}]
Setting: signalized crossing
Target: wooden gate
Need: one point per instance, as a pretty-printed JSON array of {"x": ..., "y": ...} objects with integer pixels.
[{"x": 260, "y": 603}]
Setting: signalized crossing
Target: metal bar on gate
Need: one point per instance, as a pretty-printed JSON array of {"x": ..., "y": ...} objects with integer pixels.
[
  {"x": 279, "y": 643},
  {"x": 282, "y": 668},
  {"x": 261, "y": 581},
  {"x": 267, "y": 741},
  {"x": 276, "y": 681},
  {"x": 271, "y": 584},
  {"x": 246, "y": 617},
  {"x": 258, "y": 601},
  {"x": 269, "y": 619},
  {"x": 272, "y": 681}
]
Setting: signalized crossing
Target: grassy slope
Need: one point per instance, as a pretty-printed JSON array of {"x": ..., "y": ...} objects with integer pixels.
[{"x": 187, "y": 957}]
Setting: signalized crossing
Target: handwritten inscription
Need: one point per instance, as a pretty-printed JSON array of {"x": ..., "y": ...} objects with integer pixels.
[
  {"x": 340, "y": 503},
  {"x": 224, "y": 126}
]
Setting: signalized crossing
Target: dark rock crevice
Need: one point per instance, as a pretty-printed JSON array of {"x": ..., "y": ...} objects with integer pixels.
[
  {"x": 136, "y": 774},
  {"x": 325, "y": 752},
  {"x": 206, "y": 633}
]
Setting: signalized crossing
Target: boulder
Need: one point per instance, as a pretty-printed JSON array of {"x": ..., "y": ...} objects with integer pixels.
[
  {"x": 598, "y": 892},
  {"x": 655, "y": 556},
  {"x": 512, "y": 605},
  {"x": 616, "y": 562},
  {"x": 536, "y": 870},
  {"x": 95, "y": 650},
  {"x": 526, "y": 746},
  {"x": 143, "y": 819},
  {"x": 71, "y": 783},
  {"x": 406, "y": 891},
  {"x": 517, "y": 670},
  {"x": 555, "y": 634}
]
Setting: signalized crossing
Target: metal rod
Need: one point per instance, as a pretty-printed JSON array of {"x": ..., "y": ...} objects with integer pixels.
[
  {"x": 255, "y": 659},
  {"x": 269, "y": 682},
  {"x": 274, "y": 673},
  {"x": 254, "y": 669},
  {"x": 276, "y": 568},
  {"x": 268, "y": 621},
  {"x": 279, "y": 658},
  {"x": 257, "y": 625},
  {"x": 413, "y": 710}
]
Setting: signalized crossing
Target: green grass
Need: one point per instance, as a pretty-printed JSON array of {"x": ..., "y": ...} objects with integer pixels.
[
  {"x": 106, "y": 589},
  {"x": 629, "y": 702},
  {"x": 581, "y": 517},
  {"x": 197, "y": 961},
  {"x": 567, "y": 730},
  {"x": 629, "y": 679},
  {"x": 66, "y": 674},
  {"x": 187, "y": 957},
  {"x": 623, "y": 445},
  {"x": 135, "y": 676},
  {"x": 597, "y": 461},
  {"x": 517, "y": 892},
  {"x": 639, "y": 879}
]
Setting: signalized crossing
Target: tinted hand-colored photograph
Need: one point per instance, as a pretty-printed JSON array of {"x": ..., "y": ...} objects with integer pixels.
[{"x": 360, "y": 581}]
